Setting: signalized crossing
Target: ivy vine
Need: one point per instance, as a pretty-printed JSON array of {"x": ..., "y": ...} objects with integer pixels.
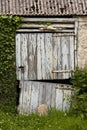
[{"x": 8, "y": 27}]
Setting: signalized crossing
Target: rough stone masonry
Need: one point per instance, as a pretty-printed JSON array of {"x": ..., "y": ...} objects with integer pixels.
[{"x": 82, "y": 41}]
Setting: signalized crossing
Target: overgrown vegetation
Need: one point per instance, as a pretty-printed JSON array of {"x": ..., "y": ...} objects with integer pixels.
[
  {"x": 79, "y": 99},
  {"x": 55, "y": 120},
  {"x": 8, "y": 27}
]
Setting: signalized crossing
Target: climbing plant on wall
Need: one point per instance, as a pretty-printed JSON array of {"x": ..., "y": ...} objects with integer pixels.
[
  {"x": 8, "y": 27},
  {"x": 79, "y": 99}
]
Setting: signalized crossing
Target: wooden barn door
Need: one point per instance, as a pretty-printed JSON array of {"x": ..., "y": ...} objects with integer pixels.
[{"x": 44, "y": 56}]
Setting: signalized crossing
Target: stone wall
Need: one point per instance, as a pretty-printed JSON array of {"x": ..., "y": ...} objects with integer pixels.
[{"x": 82, "y": 41}]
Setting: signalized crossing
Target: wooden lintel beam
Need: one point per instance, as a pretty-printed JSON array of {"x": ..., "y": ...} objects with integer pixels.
[{"x": 49, "y": 20}]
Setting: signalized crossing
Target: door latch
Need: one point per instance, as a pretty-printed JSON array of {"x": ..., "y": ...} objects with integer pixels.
[{"x": 22, "y": 68}]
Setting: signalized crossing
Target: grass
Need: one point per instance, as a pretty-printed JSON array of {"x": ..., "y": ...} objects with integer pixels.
[{"x": 55, "y": 120}]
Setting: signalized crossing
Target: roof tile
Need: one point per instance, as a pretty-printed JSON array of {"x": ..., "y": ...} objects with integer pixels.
[{"x": 43, "y": 7}]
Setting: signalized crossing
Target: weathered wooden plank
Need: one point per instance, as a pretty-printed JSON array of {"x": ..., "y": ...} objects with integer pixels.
[
  {"x": 59, "y": 61},
  {"x": 53, "y": 97},
  {"x": 48, "y": 94},
  {"x": 40, "y": 100},
  {"x": 32, "y": 56},
  {"x": 60, "y": 58},
  {"x": 48, "y": 55},
  {"x": 27, "y": 25},
  {"x": 43, "y": 85},
  {"x": 66, "y": 20},
  {"x": 21, "y": 98},
  {"x": 68, "y": 57},
  {"x": 65, "y": 49},
  {"x": 63, "y": 25},
  {"x": 25, "y": 105},
  {"x": 59, "y": 99},
  {"x": 40, "y": 56},
  {"x": 28, "y": 94},
  {"x": 45, "y": 30},
  {"x": 43, "y": 67},
  {"x": 39, "y": 65},
  {"x": 24, "y": 55},
  {"x": 66, "y": 100},
  {"x": 34, "y": 96},
  {"x": 25, "y": 97},
  {"x": 18, "y": 58},
  {"x": 55, "y": 56}
]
